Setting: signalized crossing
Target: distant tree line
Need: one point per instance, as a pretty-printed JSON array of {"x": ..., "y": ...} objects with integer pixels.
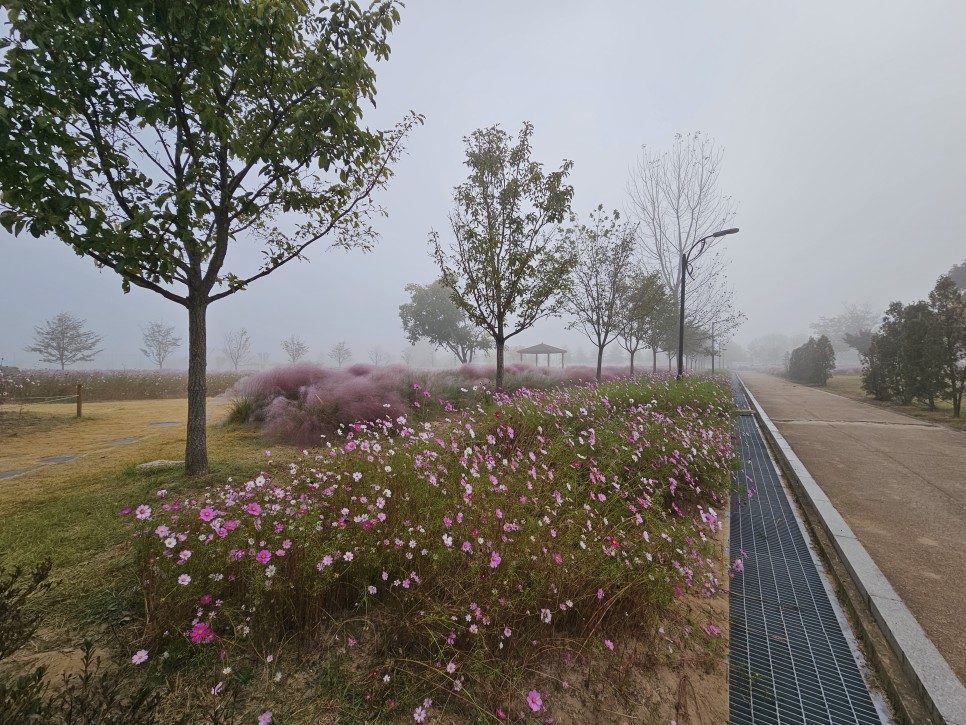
[{"x": 919, "y": 351}]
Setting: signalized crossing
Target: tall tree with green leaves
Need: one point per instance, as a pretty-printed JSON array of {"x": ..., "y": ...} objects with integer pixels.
[
  {"x": 154, "y": 136},
  {"x": 604, "y": 248},
  {"x": 948, "y": 303},
  {"x": 507, "y": 265},
  {"x": 432, "y": 315},
  {"x": 644, "y": 311}
]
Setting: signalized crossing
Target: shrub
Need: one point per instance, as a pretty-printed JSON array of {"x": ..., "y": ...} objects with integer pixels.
[
  {"x": 299, "y": 404},
  {"x": 813, "y": 362},
  {"x": 459, "y": 553},
  {"x": 94, "y": 696}
]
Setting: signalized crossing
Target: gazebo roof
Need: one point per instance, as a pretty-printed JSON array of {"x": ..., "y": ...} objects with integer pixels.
[{"x": 541, "y": 349}]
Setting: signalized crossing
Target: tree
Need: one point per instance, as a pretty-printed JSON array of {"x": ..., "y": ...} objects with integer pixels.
[
  {"x": 295, "y": 348},
  {"x": 859, "y": 340},
  {"x": 598, "y": 280},
  {"x": 675, "y": 198},
  {"x": 948, "y": 303},
  {"x": 854, "y": 320},
  {"x": 813, "y": 362},
  {"x": 431, "y": 314},
  {"x": 904, "y": 358},
  {"x": 153, "y": 137},
  {"x": 237, "y": 347},
  {"x": 340, "y": 353},
  {"x": 645, "y": 313},
  {"x": 377, "y": 357},
  {"x": 63, "y": 339},
  {"x": 159, "y": 342},
  {"x": 958, "y": 274},
  {"x": 506, "y": 267}
]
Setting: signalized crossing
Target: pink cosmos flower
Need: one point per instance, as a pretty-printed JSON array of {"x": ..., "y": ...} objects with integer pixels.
[
  {"x": 266, "y": 717},
  {"x": 125, "y": 511},
  {"x": 201, "y": 632},
  {"x": 206, "y": 514},
  {"x": 608, "y": 644},
  {"x": 739, "y": 565},
  {"x": 263, "y": 556},
  {"x": 420, "y": 714},
  {"x": 534, "y": 701},
  {"x": 140, "y": 656},
  {"x": 143, "y": 512},
  {"x": 184, "y": 580},
  {"x": 495, "y": 560},
  {"x": 253, "y": 508}
]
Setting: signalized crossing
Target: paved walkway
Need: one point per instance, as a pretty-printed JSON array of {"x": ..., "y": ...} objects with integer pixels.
[
  {"x": 791, "y": 659},
  {"x": 899, "y": 483}
]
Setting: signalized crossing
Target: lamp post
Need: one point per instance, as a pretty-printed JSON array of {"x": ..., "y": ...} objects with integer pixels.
[{"x": 686, "y": 260}]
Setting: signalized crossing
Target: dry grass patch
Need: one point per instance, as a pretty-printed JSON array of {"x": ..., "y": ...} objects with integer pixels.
[{"x": 850, "y": 386}]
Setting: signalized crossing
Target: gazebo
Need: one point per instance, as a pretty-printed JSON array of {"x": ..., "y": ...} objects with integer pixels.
[{"x": 542, "y": 349}]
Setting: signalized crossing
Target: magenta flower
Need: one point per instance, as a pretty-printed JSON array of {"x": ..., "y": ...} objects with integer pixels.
[
  {"x": 263, "y": 556},
  {"x": 495, "y": 560},
  {"x": 266, "y": 717},
  {"x": 534, "y": 701},
  {"x": 206, "y": 514},
  {"x": 253, "y": 508},
  {"x": 739, "y": 565},
  {"x": 201, "y": 633},
  {"x": 608, "y": 644},
  {"x": 125, "y": 511},
  {"x": 143, "y": 512}
]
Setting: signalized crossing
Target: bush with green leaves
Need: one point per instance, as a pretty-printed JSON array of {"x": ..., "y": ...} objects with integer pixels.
[{"x": 813, "y": 362}]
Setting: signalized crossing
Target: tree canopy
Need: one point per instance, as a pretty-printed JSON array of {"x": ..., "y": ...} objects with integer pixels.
[
  {"x": 65, "y": 340},
  {"x": 603, "y": 249},
  {"x": 432, "y": 315},
  {"x": 507, "y": 267},
  {"x": 152, "y": 136}
]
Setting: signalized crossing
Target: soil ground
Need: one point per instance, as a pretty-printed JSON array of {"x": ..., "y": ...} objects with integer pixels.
[{"x": 900, "y": 484}]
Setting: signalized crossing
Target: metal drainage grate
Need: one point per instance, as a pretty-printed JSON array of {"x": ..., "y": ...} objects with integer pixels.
[{"x": 790, "y": 661}]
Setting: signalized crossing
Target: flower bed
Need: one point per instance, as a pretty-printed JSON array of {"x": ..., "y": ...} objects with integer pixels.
[{"x": 454, "y": 556}]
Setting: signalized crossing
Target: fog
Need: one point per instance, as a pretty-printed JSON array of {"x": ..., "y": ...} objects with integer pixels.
[{"x": 842, "y": 125}]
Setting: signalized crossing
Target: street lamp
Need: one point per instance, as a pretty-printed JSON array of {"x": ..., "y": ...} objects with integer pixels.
[{"x": 685, "y": 271}]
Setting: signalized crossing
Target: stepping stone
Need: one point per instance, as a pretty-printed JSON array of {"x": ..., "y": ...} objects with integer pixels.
[
  {"x": 14, "y": 472},
  {"x": 57, "y": 459},
  {"x": 164, "y": 424},
  {"x": 124, "y": 440},
  {"x": 155, "y": 465}
]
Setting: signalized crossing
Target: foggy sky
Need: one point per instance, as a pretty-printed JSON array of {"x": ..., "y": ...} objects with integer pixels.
[{"x": 843, "y": 124}]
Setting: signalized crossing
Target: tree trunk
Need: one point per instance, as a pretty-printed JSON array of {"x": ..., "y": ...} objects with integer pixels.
[
  {"x": 632, "y": 361},
  {"x": 196, "y": 445},
  {"x": 654, "y": 360},
  {"x": 499, "y": 363},
  {"x": 600, "y": 360}
]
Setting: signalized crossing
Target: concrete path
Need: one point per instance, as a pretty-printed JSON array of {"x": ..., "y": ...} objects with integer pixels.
[{"x": 899, "y": 483}]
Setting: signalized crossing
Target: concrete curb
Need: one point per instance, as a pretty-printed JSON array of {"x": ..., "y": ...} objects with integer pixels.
[{"x": 940, "y": 689}]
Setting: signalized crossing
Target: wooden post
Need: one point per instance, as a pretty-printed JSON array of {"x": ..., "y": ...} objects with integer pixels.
[{"x": 80, "y": 398}]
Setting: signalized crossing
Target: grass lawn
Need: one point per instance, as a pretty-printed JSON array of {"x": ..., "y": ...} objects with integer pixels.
[{"x": 850, "y": 386}]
